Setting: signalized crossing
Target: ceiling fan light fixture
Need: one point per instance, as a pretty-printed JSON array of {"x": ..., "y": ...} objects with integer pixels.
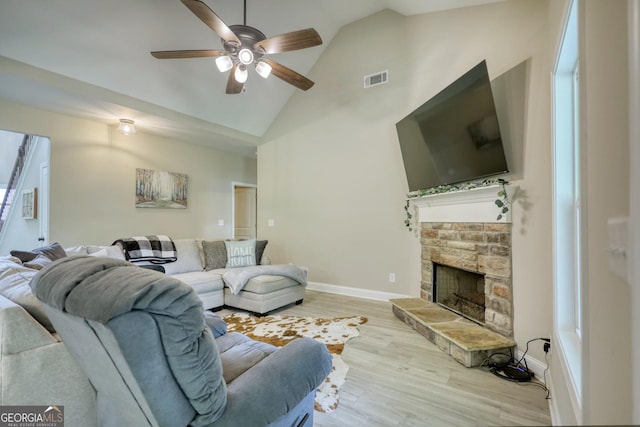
[
  {"x": 245, "y": 56},
  {"x": 244, "y": 45},
  {"x": 241, "y": 74},
  {"x": 126, "y": 127},
  {"x": 224, "y": 63},
  {"x": 263, "y": 69}
]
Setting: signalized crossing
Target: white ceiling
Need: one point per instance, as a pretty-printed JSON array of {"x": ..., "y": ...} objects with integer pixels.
[{"x": 90, "y": 58}]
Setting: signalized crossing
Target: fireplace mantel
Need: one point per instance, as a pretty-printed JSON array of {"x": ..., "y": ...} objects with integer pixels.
[{"x": 474, "y": 205}]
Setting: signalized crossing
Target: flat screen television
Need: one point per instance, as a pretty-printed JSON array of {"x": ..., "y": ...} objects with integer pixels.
[{"x": 454, "y": 136}]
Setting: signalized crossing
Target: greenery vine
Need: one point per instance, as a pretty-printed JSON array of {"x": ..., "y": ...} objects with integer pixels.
[
  {"x": 503, "y": 199},
  {"x": 502, "y": 202}
]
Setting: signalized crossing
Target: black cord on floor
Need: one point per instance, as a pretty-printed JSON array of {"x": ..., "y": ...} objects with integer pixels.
[{"x": 517, "y": 371}]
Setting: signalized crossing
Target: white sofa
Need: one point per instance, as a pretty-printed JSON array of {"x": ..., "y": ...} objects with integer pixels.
[{"x": 200, "y": 265}]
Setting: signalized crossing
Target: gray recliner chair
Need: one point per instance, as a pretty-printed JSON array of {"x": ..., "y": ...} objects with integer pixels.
[{"x": 155, "y": 359}]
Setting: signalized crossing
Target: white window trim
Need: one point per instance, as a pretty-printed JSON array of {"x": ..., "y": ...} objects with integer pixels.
[{"x": 567, "y": 210}]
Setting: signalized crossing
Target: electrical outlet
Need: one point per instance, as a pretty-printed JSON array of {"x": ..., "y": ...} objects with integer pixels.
[
  {"x": 546, "y": 347},
  {"x": 392, "y": 277}
]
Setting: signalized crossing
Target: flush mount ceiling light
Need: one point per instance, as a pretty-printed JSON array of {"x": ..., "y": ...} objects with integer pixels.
[
  {"x": 126, "y": 127},
  {"x": 244, "y": 45}
]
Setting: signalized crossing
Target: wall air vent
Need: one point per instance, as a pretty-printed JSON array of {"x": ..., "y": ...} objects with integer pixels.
[{"x": 379, "y": 78}]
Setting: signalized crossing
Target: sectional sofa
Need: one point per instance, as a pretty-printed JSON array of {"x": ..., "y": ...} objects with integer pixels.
[
  {"x": 206, "y": 265},
  {"x": 35, "y": 366}
]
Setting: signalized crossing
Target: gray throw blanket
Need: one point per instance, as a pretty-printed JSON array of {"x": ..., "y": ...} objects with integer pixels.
[
  {"x": 101, "y": 289},
  {"x": 237, "y": 278}
]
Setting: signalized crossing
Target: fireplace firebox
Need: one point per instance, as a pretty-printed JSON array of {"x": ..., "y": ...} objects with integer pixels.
[
  {"x": 481, "y": 248},
  {"x": 460, "y": 291}
]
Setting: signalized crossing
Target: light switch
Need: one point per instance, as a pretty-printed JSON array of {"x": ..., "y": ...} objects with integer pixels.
[
  {"x": 618, "y": 246},
  {"x": 221, "y": 222},
  {"x": 271, "y": 223}
]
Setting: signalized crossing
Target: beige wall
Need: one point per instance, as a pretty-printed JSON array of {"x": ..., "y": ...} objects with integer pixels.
[
  {"x": 331, "y": 173},
  {"x": 608, "y": 397},
  {"x": 93, "y": 179}
]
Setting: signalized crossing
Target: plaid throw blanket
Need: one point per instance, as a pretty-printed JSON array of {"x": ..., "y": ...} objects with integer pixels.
[{"x": 155, "y": 249}]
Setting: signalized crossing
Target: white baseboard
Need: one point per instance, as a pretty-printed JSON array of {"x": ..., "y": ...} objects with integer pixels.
[
  {"x": 553, "y": 403},
  {"x": 354, "y": 292},
  {"x": 536, "y": 366}
]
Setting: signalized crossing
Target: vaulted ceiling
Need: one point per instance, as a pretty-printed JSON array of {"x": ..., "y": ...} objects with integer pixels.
[{"x": 90, "y": 58}]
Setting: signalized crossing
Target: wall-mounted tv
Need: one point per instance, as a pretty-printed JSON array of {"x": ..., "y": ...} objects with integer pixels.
[{"x": 454, "y": 136}]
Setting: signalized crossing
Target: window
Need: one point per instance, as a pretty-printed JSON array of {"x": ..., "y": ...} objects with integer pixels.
[{"x": 567, "y": 207}]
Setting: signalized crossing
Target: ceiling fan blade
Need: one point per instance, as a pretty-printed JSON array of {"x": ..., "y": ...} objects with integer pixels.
[
  {"x": 177, "y": 54},
  {"x": 209, "y": 17},
  {"x": 294, "y": 40},
  {"x": 288, "y": 75},
  {"x": 233, "y": 87}
]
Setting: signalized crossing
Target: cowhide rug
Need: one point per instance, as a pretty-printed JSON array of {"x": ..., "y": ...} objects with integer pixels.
[{"x": 278, "y": 330}]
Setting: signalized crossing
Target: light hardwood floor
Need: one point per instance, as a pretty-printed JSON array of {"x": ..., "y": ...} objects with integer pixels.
[{"x": 397, "y": 378}]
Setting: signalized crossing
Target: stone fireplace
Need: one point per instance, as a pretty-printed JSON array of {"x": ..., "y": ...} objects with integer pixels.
[
  {"x": 481, "y": 249},
  {"x": 466, "y": 266},
  {"x": 461, "y": 230}
]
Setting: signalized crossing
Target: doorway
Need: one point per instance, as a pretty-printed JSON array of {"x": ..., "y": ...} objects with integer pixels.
[
  {"x": 24, "y": 170},
  {"x": 244, "y": 211}
]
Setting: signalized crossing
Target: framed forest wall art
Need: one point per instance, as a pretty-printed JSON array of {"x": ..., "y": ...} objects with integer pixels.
[{"x": 160, "y": 189}]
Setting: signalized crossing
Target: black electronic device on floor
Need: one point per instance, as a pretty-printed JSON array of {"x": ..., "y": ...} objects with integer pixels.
[{"x": 506, "y": 367}]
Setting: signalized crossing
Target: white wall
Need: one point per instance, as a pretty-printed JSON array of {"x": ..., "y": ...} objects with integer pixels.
[
  {"x": 92, "y": 180},
  {"x": 331, "y": 173}
]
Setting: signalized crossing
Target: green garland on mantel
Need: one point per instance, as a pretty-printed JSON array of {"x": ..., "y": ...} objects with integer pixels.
[{"x": 502, "y": 202}]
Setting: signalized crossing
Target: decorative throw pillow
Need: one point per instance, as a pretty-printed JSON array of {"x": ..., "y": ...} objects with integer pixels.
[
  {"x": 91, "y": 249},
  {"x": 217, "y": 325},
  {"x": 54, "y": 251},
  {"x": 241, "y": 253},
  {"x": 188, "y": 251},
  {"x": 114, "y": 251},
  {"x": 79, "y": 250},
  {"x": 215, "y": 254},
  {"x": 38, "y": 262},
  {"x": 260, "y": 246}
]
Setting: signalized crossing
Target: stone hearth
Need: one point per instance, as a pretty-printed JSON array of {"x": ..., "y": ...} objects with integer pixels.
[{"x": 465, "y": 341}]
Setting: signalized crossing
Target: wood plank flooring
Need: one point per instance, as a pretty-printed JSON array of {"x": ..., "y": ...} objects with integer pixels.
[{"x": 398, "y": 378}]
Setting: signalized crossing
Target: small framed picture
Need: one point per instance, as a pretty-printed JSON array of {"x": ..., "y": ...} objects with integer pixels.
[{"x": 29, "y": 203}]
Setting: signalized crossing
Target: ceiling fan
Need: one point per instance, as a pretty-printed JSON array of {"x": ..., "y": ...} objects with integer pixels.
[{"x": 245, "y": 46}]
